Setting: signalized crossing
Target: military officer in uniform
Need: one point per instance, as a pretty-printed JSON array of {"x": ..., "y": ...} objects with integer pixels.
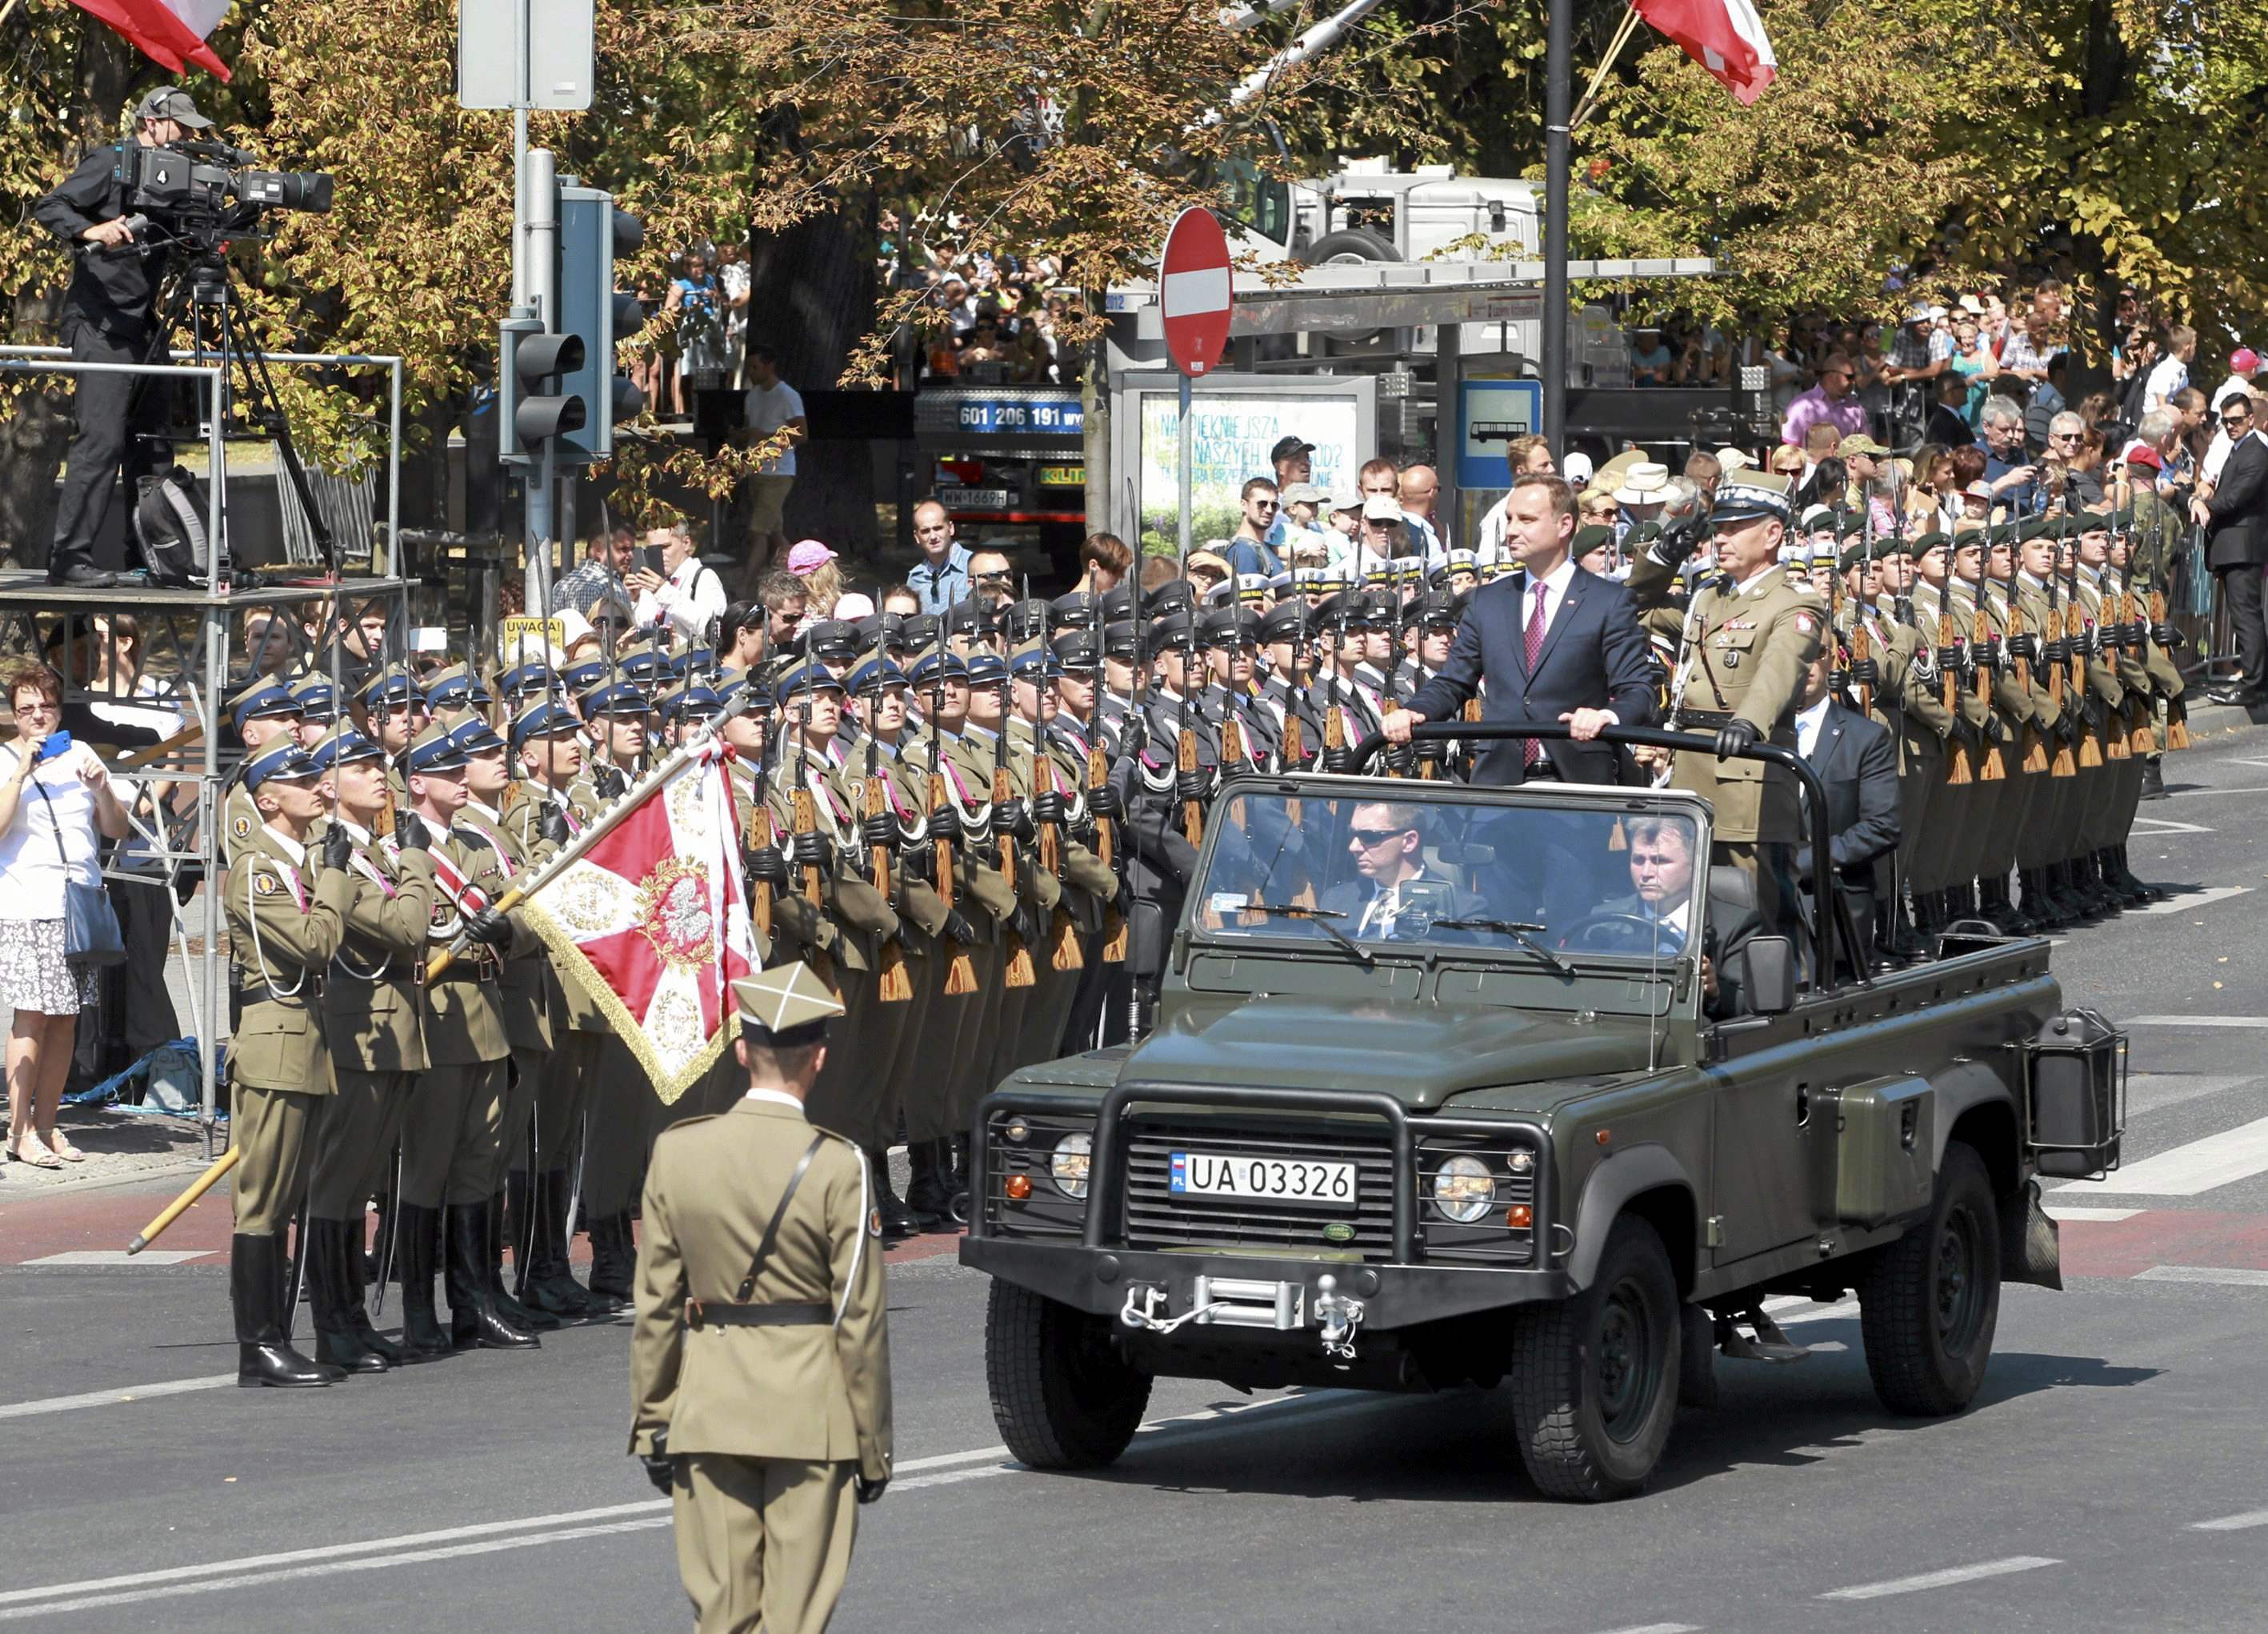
[
  {"x": 286, "y": 912},
  {"x": 1748, "y": 638},
  {"x": 759, "y": 1368},
  {"x": 371, "y": 1021}
]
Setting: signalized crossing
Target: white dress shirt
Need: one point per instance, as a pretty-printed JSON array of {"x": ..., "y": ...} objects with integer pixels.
[
  {"x": 689, "y": 599},
  {"x": 1808, "y": 722},
  {"x": 1553, "y": 587}
]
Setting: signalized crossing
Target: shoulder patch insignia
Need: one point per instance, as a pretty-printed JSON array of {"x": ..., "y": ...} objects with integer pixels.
[
  {"x": 265, "y": 884},
  {"x": 873, "y": 1222},
  {"x": 239, "y": 827},
  {"x": 1806, "y": 623}
]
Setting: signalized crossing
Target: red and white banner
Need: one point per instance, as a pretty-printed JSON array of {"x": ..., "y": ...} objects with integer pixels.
[
  {"x": 1726, "y": 37},
  {"x": 170, "y": 33},
  {"x": 650, "y": 918}
]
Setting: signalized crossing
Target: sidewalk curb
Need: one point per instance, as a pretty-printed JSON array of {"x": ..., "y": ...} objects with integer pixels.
[{"x": 186, "y": 1168}]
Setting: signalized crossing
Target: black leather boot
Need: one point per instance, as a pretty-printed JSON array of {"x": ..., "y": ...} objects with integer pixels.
[
  {"x": 551, "y": 1285},
  {"x": 2153, "y": 779},
  {"x": 419, "y": 1233},
  {"x": 2087, "y": 885},
  {"x": 337, "y": 1341},
  {"x": 899, "y": 1221},
  {"x": 2140, "y": 894},
  {"x": 512, "y": 1310},
  {"x": 346, "y": 1255},
  {"x": 376, "y": 1260},
  {"x": 613, "y": 1263},
  {"x": 255, "y": 1288},
  {"x": 474, "y": 1321},
  {"x": 925, "y": 1191}
]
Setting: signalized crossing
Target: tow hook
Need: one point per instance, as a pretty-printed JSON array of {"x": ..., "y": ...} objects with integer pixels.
[
  {"x": 1339, "y": 1315},
  {"x": 1144, "y": 1300}
]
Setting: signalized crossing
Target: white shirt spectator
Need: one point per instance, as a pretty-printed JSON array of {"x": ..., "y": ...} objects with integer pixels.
[
  {"x": 769, "y": 407},
  {"x": 2229, "y": 388},
  {"x": 33, "y": 872},
  {"x": 2168, "y": 378},
  {"x": 688, "y": 600}
]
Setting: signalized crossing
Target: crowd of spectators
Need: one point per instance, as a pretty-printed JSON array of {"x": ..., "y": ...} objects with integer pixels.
[{"x": 985, "y": 317}]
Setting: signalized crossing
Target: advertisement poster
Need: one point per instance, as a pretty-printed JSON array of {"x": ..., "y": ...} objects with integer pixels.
[{"x": 1231, "y": 435}]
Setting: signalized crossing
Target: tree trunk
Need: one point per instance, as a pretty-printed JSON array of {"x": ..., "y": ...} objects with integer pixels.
[{"x": 811, "y": 299}]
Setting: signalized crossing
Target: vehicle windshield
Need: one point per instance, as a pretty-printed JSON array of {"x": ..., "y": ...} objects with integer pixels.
[
  {"x": 1253, "y": 198},
  {"x": 1541, "y": 882}
]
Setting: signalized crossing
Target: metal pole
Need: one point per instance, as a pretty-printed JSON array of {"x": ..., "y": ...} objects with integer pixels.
[
  {"x": 209, "y": 800},
  {"x": 393, "y": 472},
  {"x": 538, "y": 277},
  {"x": 1558, "y": 87},
  {"x": 1184, "y": 478}
]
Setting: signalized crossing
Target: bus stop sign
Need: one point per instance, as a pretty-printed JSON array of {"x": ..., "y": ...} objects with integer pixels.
[{"x": 1193, "y": 292}]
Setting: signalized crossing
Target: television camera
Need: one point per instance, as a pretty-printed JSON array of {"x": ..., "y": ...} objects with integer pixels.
[{"x": 206, "y": 191}]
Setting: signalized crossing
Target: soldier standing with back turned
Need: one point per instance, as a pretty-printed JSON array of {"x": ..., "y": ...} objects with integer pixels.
[{"x": 760, "y": 1369}]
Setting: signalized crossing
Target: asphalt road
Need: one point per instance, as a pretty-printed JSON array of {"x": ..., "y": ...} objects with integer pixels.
[{"x": 2110, "y": 1477}]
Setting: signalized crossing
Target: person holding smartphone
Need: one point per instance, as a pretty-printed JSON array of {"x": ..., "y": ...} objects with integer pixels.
[
  {"x": 675, "y": 591},
  {"x": 56, "y": 806}
]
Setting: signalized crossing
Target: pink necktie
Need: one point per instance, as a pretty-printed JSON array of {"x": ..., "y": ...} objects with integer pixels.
[{"x": 1534, "y": 752}]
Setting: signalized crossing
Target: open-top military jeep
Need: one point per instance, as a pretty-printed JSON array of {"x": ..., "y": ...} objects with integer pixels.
[{"x": 1475, "y": 1086}]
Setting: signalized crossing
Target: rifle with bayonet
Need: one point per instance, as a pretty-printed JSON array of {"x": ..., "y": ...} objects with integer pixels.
[
  {"x": 1189, "y": 781},
  {"x": 944, "y": 826},
  {"x": 1047, "y": 818},
  {"x": 1984, "y": 648},
  {"x": 1020, "y": 972},
  {"x": 878, "y": 824},
  {"x": 810, "y": 847},
  {"x": 2054, "y": 656},
  {"x": 2080, "y": 646}
]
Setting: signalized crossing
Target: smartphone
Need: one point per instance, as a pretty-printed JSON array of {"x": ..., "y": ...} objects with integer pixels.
[
  {"x": 649, "y": 560},
  {"x": 55, "y": 743}
]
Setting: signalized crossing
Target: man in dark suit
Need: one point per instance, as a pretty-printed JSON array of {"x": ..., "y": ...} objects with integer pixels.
[
  {"x": 2234, "y": 509},
  {"x": 1856, "y": 759},
  {"x": 1552, "y": 643},
  {"x": 1394, "y": 895}
]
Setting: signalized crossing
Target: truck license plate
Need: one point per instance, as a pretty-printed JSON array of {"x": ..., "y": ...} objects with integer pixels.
[{"x": 1279, "y": 1180}]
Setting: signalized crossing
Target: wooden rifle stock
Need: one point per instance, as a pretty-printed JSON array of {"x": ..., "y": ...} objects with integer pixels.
[
  {"x": 1980, "y": 642},
  {"x": 760, "y": 891},
  {"x": 1862, "y": 651},
  {"x": 960, "y": 970},
  {"x": 1020, "y": 972},
  {"x": 2177, "y": 710},
  {"x": 1116, "y": 931},
  {"x": 1957, "y": 767},
  {"x": 1185, "y": 761},
  {"x": 893, "y": 984},
  {"x": 805, "y": 815}
]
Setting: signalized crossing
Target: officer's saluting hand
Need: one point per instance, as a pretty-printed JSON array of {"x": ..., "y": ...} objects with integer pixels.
[{"x": 761, "y": 1374}]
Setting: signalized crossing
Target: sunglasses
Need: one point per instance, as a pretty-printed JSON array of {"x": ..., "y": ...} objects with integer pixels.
[
  {"x": 1264, "y": 504},
  {"x": 998, "y": 578},
  {"x": 1370, "y": 839},
  {"x": 2236, "y": 419}
]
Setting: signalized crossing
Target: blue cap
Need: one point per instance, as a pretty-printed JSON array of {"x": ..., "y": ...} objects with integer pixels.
[
  {"x": 700, "y": 660},
  {"x": 286, "y": 760},
  {"x": 583, "y": 677},
  {"x": 459, "y": 692},
  {"x": 803, "y": 679},
  {"x": 694, "y": 702},
  {"x": 874, "y": 675},
  {"x": 521, "y": 680},
  {"x": 436, "y": 749},
  {"x": 390, "y": 687},
  {"x": 546, "y": 719},
  {"x": 925, "y": 672},
  {"x": 642, "y": 665},
  {"x": 344, "y": 747},
  {"x": 621, "y": 699},
  {"x": 1035, "y": 664},
  {"x": 317, "y": 698},
  {"x": 986, "y": 669},
  {"x": 274, "y": 699},
  {"x": 476, "y": 737}
]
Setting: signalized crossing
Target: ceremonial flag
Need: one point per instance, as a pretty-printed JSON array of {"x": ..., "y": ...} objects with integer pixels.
[
  {"x": 170, "y": 33},
  {"x": 1726, "y": 37},
  {"x": 651, "y": 917}
]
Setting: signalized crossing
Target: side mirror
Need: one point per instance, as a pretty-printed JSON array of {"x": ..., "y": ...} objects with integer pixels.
[{"x": 1768, "y": 975}]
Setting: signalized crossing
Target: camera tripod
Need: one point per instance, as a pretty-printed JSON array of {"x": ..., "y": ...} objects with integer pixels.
[{"x": 198, "y": 302}]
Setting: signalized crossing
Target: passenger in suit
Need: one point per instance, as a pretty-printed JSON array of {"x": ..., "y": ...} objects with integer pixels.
[
  {"x": 1855, "y": 758},
  {"x": 1395, "y": 894},
  {"x": 1553, "y": 643},
  {"x": 1661, "y": 895},
  {"x": 760, "y": 1366}
]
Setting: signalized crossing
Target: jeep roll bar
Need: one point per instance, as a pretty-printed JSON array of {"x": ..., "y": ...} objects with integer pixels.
[{"x": 1653, "y": 737}]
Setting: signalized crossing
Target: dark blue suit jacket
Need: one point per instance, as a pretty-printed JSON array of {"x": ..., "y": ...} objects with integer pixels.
[
  {"x": 1595, "y": 656},
  {"x": 1855, "y": 758}
]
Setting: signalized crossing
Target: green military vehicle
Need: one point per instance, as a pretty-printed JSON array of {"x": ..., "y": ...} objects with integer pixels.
[{"x": 1466, "y": 1087}]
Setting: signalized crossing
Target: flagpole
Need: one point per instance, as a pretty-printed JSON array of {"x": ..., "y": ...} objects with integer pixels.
[
  {"x": 1558, "y": 83},
  {"x": 605, "y": 824}
]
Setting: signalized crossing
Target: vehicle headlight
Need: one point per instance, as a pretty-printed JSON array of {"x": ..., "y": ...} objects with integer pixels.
[
  {"x": 1070, "y": 1162},
  {"x": 1463, "y": 1188}
]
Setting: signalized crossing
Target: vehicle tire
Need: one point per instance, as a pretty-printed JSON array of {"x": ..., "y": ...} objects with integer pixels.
[
  {"x": 1061, "y": 1394},
  {"x": 1930, "y": 1303},
  {"x": 1594, "y": 1379},
  {"x": 1349, "y": 244}
]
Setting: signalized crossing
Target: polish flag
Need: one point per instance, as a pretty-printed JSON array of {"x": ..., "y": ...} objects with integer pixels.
[
  {"x": 1726, "y": 37},
  {"x": 170, "y": 33}
]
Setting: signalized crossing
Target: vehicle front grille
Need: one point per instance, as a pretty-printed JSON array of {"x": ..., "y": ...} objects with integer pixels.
[{"x": 1157, "y": 1218}]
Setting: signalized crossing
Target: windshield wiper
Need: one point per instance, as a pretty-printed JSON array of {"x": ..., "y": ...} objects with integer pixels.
[
  {"x": 1322, "y": 917},
  {"x": 1518, "y": 931}
]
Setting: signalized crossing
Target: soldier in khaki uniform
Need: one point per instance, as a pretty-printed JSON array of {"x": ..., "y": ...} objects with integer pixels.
[
  {"x": 760, "y": 1371},
  {"x": 264, "y": 714},
  {"x": 286, "y": 911},
  {"x": 1748, "y": 637},
  {"x": 454, "y": 1122},
  {"x": 558, "y": 804},
  {"x": 1899, "y": 681},
  {"x": 372, "y": 1019}
]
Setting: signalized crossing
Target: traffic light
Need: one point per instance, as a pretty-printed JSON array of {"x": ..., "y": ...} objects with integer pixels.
[
  {"x": 592, "y": 235},
  {"x": 536, "y": 400}
]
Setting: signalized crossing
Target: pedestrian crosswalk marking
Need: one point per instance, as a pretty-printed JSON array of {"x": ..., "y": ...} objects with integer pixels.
[
  {"x": 2226, "y": 1276},
  {"x": 2167, "y": 825},
  {"x": 2233, "y": 1523},
  {"x": 1943, "y": 1579},
  {"x": 2196, "y": 1021},
  {"x": 2187, "y": 900},
  {"x": 2215, "y": 1161},
  {"x": 2098, "y": 1216},
  {"x": 119, "y": 1256}
]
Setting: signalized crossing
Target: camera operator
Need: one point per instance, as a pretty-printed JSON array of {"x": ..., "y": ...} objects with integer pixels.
[{"x": 110, "y": 316}]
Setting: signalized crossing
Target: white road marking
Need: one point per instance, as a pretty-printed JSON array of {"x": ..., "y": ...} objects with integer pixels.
[
  {"x": 485, "y": 1537},
  {"x": 2101, "y": 1217},
  {"x": 1660, "y": 1628},
  {"x": 2217, "y": 1160},
  {"x": 112, "y": 1398},
  {"x": 1825, "y": 1312},
  {"x": 2184, "y": 794},
  {"x": 2196, "y": 1021},
  {"x": 2233, "y": 1523},
  {"x": 1942, "y": 1579},
  {"x": 2192, "y": 899},
  {"x": 2166, "y": 825},
  {"x": 2224, "y": 1276},
  {"x": 119, "y": 1256}
]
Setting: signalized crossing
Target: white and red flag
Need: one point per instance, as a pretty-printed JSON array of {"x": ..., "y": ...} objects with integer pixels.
[
  {"x": 170, "y": 33},
  {"x": 1726, "y": 37},
  {"x": 648, "y": 912}
]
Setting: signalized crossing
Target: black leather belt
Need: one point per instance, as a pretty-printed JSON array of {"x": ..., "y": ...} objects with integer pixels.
[
  {"x": 261, "y": 993},
  {"x": 699, "y": 1315}
]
